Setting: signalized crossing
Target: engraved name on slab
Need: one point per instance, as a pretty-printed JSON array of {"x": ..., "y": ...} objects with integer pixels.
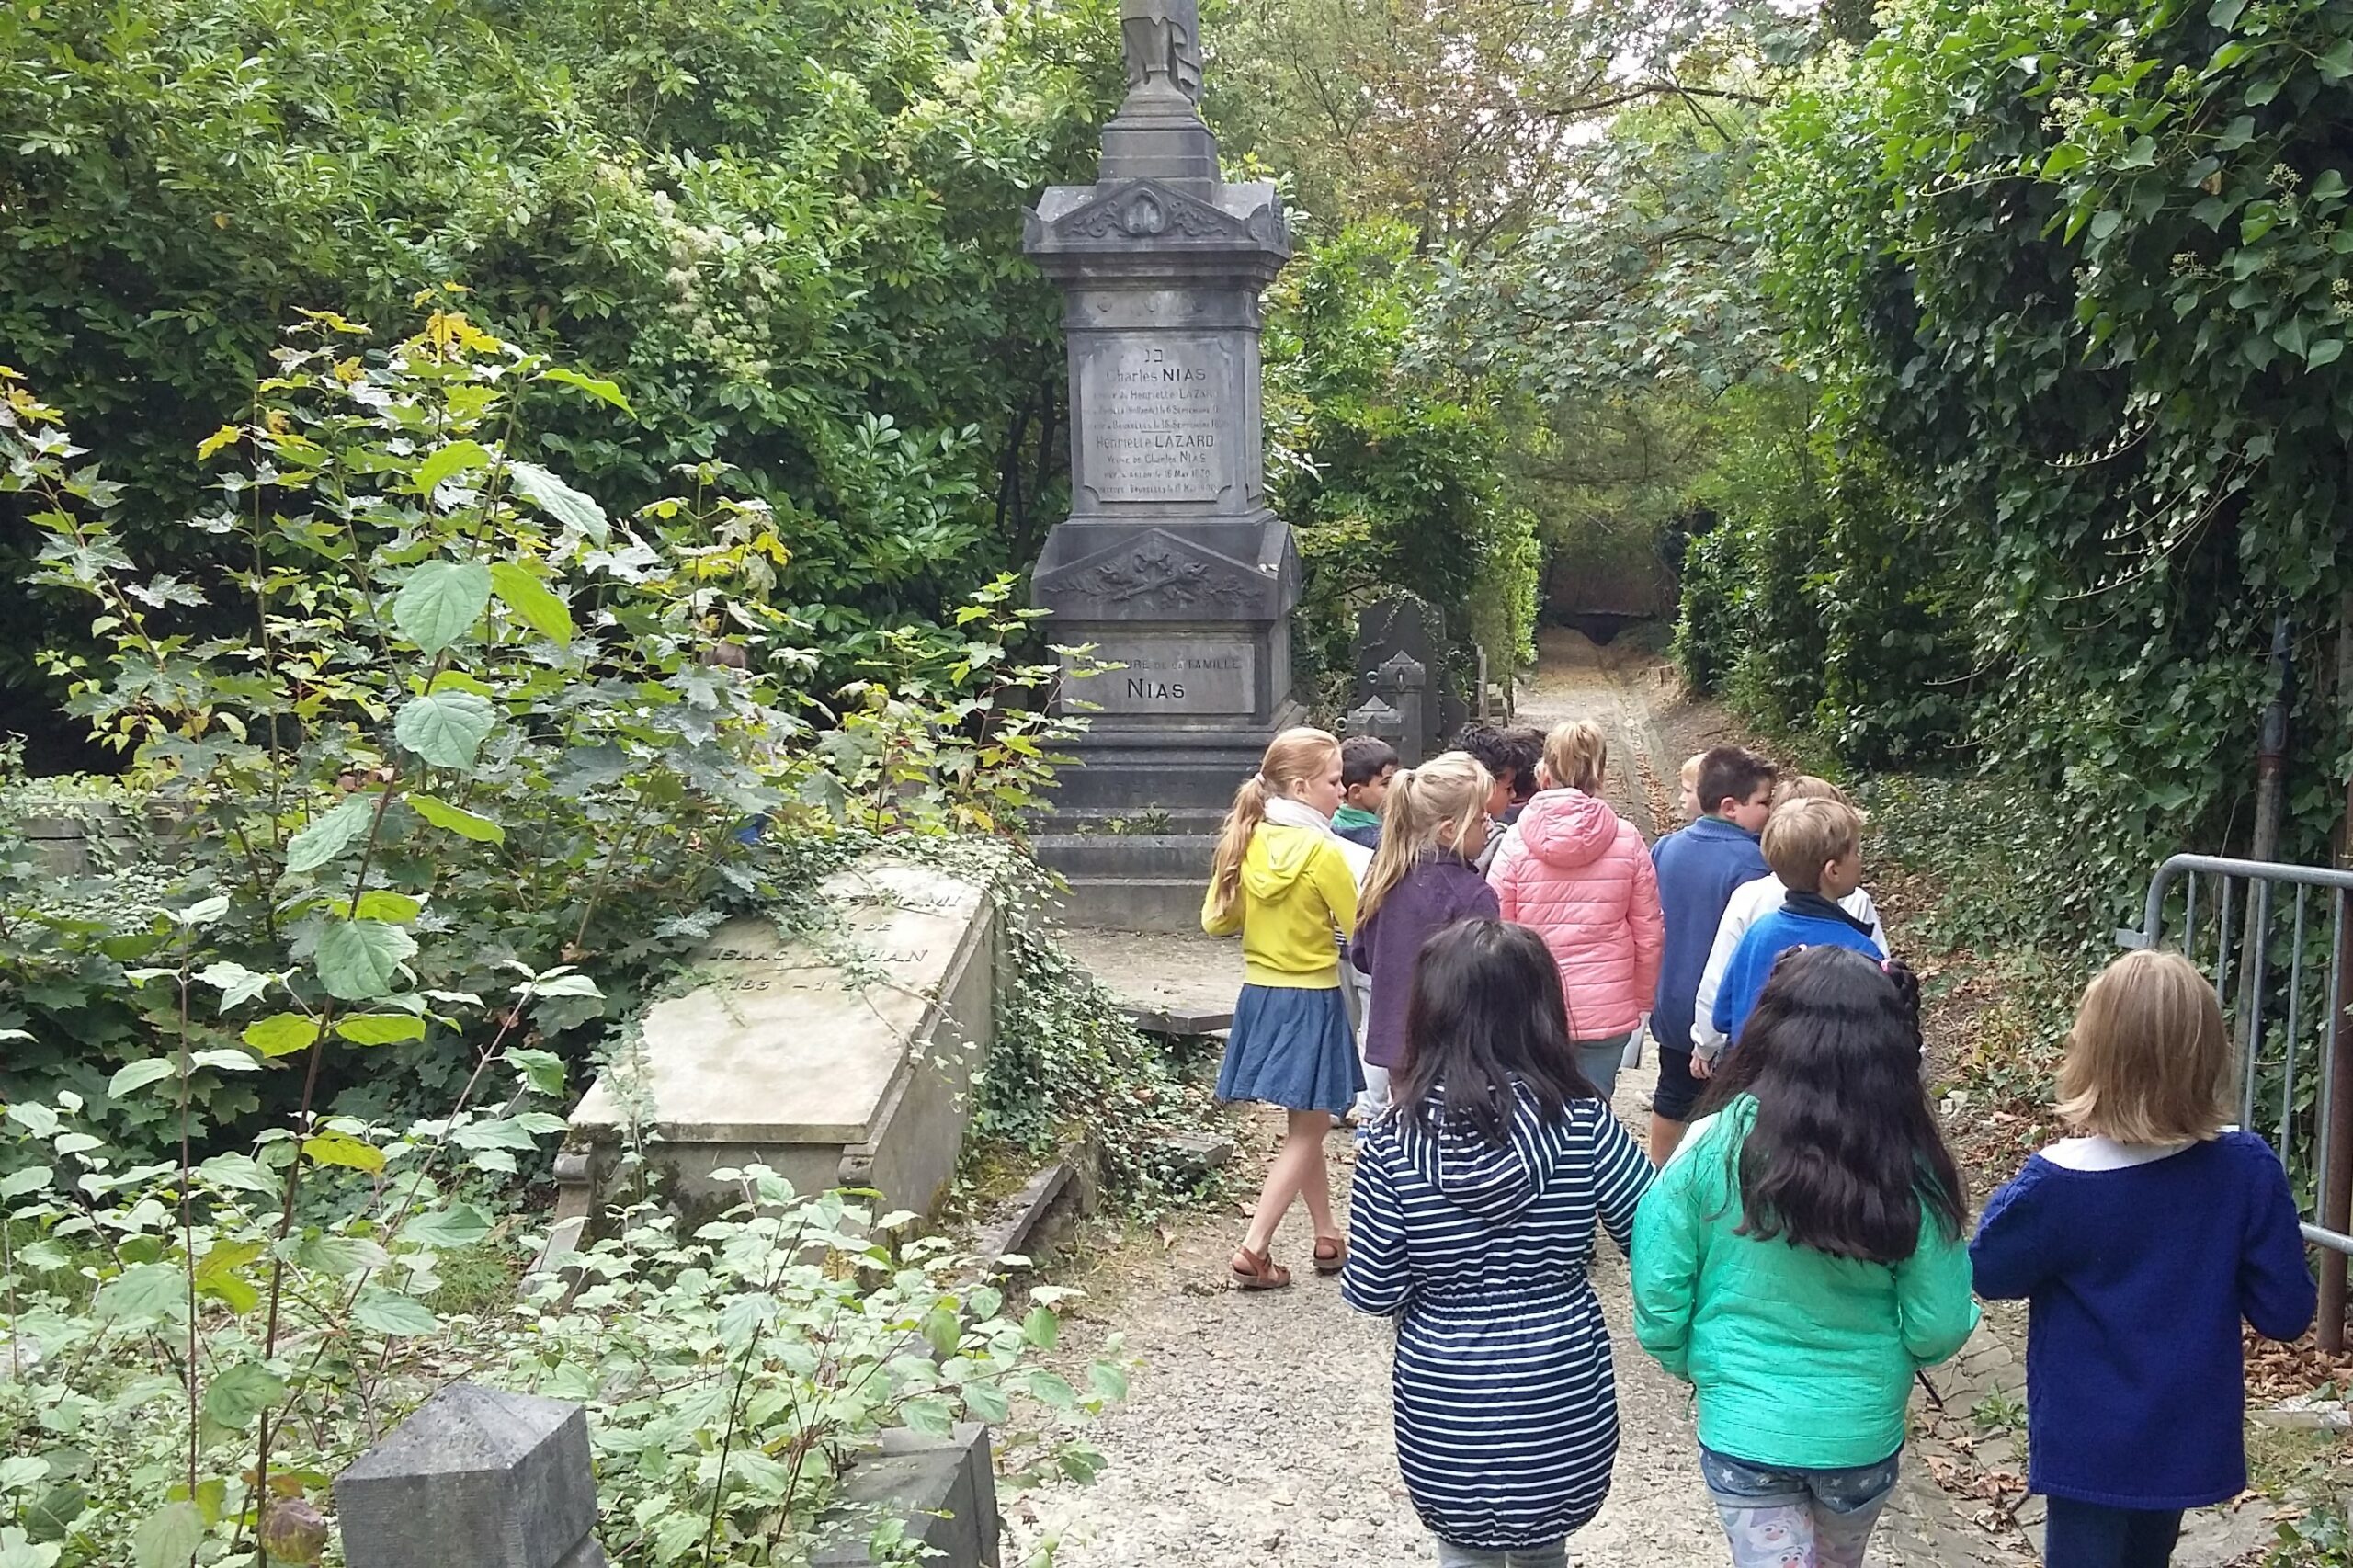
[
  {"x": 1172, "y": 675},
  {"x": 1154, "y": 431}
]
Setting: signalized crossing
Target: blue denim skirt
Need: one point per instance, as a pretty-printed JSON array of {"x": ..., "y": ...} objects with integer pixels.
[{"x": 1291, "y": 1046}]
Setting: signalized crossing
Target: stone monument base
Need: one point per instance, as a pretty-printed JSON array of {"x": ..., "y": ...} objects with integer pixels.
[{"x": 841, "y": 1060}]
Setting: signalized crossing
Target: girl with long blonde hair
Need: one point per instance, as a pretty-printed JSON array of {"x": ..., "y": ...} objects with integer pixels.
[
  {"x": 1280, "y": 879},
  {"x": 1424, "y": 878}
]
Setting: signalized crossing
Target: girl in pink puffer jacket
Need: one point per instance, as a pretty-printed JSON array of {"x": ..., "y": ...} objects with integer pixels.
[{"x": 1580, "y": 875}]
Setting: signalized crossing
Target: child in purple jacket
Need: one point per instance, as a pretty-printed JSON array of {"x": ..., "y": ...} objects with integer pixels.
[{"x": 1433, "y": 826}]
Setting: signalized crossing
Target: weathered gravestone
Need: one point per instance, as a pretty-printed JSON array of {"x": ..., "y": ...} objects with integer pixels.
[
  {"x": 475, "y": 1478},
  {"x": 478, "y": 1478},
  {"x": 1405, "y": 625},
  {"x": 1171, "y": 562},
  {"x": 841, "y": 1059}
]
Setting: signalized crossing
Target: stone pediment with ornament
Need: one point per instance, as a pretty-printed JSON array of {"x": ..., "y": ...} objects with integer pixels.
[
  {"x": 1148, "y": 213},
  {"x": 1157, "y": 575}
]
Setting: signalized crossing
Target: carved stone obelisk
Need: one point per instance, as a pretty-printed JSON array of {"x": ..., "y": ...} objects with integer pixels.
[{"x": 1170, "y": 562}]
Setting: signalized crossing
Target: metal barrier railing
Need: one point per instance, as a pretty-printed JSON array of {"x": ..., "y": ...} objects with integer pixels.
[{"x": 2287, "y": 1014}]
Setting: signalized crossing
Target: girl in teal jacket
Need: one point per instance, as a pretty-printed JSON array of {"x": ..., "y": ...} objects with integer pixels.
[{"x": 1802, "y": 1255}]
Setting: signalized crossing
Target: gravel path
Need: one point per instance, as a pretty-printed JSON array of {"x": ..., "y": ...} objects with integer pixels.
[{"x": 1258, "y": 1429}]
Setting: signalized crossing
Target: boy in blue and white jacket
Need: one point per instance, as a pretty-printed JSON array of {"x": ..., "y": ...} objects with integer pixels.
[{"x": 1816, "y": 848}]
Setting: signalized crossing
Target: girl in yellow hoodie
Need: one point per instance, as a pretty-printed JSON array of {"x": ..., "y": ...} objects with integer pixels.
[{"x": 1280, "y": 879}]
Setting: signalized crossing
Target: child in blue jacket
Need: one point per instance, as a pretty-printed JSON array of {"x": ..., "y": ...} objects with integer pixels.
[
  {"x": 1698, "y": 870},
  {"x": 1815, "y": 846},
  {"x": 2140, "y": 1245}
]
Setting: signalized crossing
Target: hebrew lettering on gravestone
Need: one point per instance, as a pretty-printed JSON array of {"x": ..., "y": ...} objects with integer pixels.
[{"x": 476, "y": 1478}]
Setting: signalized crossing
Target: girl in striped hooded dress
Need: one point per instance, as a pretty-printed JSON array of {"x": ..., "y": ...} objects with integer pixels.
[{"x": 1471, "y": 1223}]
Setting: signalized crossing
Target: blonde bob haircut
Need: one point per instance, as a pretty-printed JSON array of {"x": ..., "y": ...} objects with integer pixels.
[
  {"x": 1576, "y": 756},
  {"x": 2147, "y": 1060},
  {"x": 1430, "y": 809},
  {"x": 1808, "y": 787},
  {"x": 1805, "y": 836},
  {"x": 1293, "y": 757}
]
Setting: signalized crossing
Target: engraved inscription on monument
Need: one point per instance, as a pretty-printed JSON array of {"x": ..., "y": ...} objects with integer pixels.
[
  {"x": 1172, "y": 675},
  {"x": 1151, "y": 406}
]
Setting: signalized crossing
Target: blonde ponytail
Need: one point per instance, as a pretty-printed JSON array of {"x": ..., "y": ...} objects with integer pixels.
[
  {"x": 1448, "y": 791},
  {"x": 1294, "y": 755}
]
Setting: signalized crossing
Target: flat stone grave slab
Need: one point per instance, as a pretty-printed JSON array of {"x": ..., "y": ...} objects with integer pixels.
[
  {"x": 1170, "y": 983},
  {"x": 838, "y": 1059}
]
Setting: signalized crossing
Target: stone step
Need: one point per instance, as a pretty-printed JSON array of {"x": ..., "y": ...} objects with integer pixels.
[
  {"x": 1134, "y": 903},
  {"x": 1127, "y": 855}
]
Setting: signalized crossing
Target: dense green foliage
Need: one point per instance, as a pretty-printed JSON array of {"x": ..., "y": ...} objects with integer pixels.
[
  {"x": 472, "y": 764},
  {"x": 790, "y": 234},
  {"x": 2071, "y": 286},
  {"x": 1390, "y": 461}
]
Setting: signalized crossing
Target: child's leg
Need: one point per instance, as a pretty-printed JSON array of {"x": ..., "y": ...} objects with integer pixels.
[
  {"x": 1599, "y": 1060},
  {"x": 1452, "y": 1556},
  {"x": 2087, "y": 1535},
  {"x": 1847, "y": 1505},
  {"x": 1766, "y": 1514},
  {"x": 1554, "y": 1556},
  {"x": 1297, "y": 1164},
  {"x": 1308, "y": 1128}
]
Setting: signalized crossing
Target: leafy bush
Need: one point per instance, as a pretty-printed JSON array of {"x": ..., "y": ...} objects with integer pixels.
[
  {"x": 2083, "y": 274},
  {"x": 1388, "y": 460},
  {"x": 790, "y": 234},
  {"x": 1804, "y": 603},
  {"x": 470, "y": 720},
  {"x": 184, "y": 1368}
]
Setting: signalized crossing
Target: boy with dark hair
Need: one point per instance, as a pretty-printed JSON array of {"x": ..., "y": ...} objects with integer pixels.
[
  {"x": 1698, "y": 870},
  {"x": 1486, "y": 743},
  {"x": 1524, "y": 744},
  {"x": 1815, "y": 846},
  {"x": 1366, "y": 764}
]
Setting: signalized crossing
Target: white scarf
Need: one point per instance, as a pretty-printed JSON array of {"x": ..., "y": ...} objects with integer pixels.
[{"x": 1284, "y": 811}]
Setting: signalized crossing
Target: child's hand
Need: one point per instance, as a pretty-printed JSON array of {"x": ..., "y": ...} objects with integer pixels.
[{"x": 1700, "y": 1067}]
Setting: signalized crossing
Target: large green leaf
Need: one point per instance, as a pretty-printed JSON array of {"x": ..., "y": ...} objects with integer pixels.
[
  {"x": 531, "y": 598},
  {"x": 168, "y": 1537},
  {"x": 330, "y": 833},
  {"x": 235, "y": 1396},
  {"x": 445, "y": 728},
  {"x": 440, "y": 601},
  {"x": 560, "y": 500},
  {"x": 454, "y": 819},
  {"x": 590, "y": 384},
  {"x": 457, "y": 456},
  {"x": 448, "y": 1228},
  {"x": 280, "y": 1034},
  {"x": 391, "y": 1313},
  {"x": 359, "y": 960},
  {"x": 380, "y": 1029}
]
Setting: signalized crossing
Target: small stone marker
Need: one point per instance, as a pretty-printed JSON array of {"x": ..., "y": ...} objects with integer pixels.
[
  {"x": 943, "y": 1488},
  {"x": 475, "y": 1478}
]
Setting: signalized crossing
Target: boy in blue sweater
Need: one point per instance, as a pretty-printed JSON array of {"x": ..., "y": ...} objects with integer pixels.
[
  {"x": 2139, "y": 1246},
  {"x": 1816, "y": 848},
  {"x": 1698, "y": 870}
]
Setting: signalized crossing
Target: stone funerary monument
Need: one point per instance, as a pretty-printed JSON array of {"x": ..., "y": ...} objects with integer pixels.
[{"x": 1170, "y": 562}]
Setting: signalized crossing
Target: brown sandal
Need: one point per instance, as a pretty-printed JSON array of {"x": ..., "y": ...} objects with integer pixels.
[
  {"x": 1258, "y": 1271},
  {"x": 1331, "y": 1254}
]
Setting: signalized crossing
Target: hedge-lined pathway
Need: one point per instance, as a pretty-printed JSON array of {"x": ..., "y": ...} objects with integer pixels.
[{"x": 1258, "y": 1427}]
